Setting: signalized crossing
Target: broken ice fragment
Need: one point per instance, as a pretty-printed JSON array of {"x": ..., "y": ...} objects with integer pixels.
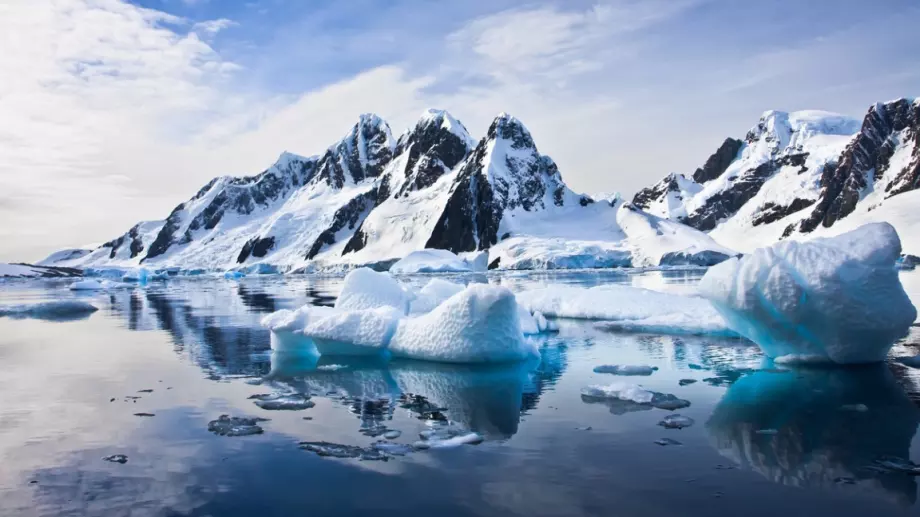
[
  {"x": 625, "y": 369},
  {"x": 293, "y": 402},
  {"x": 225, "y": 425},
  {"x": 686, "y": 382},
  {"x": 392, "y": 435},
  {"x": 676, "y": 421},
  {"x": 667, "y": 441},
  {"x": 116, "y": 458}
]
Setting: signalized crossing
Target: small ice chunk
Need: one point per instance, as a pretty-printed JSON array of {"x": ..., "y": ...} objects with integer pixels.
[
  {"x": 59, "y": 309},
  {"x": 625, "y": 369},
  {"x": 331, "y": 367},
  {"x": 480, "y": 324},
  {"x": 332, "y": 450},
  {"x": 280, "y": 402},
  {"x": 858, "y": 408},
  {"x": 435, "y": 292},
  {"x": 676, "y": 421},
  {"x": 116, "y": 458},
  {"x": 356, "y": 332},
  {"x": 392, "y": 435},
  {"x": 839, "y": 298},
  {"x": 365, "y": 288},
  {"x": 455, "y": 441},
  {"x": 667, "y": 441},
  {"x": 669, "y": 402},
  {"x": 619, "y": 391},
  {"x": 225, "y": 425},
  {"x": 686, "y": 382}
]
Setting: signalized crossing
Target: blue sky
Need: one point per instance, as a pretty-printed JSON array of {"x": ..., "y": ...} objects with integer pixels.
[{"x": 115, "y": 111}]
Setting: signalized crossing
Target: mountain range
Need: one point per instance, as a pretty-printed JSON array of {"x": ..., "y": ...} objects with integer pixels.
[{"x": 372, "y": 198}]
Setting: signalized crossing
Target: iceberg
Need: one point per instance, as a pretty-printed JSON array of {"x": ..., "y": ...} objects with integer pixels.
[
  {"x": 480, "y": 324},
  {"x": 360, "y": 332},
  {"x": 628, "y": 308},
  {"x": 434, "y": 293},
  {"x": 365, "y": 288},
  {"x": 55, "y": 310},
  {"x": 437, "y": 261},
  {"x": 836, "y": 298}
]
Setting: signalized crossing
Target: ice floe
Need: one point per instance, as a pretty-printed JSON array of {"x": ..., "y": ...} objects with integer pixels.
[
  {"x": 225, "y": 425},
  {"x": 283, "y": 402},
  {"x": 836, "y": 298},
  {"x": 53, "y": 310},
  {"x": 635, "y": 397},
  {"x": 628, "y": 308},
  {"x": 626, "y": 369}
]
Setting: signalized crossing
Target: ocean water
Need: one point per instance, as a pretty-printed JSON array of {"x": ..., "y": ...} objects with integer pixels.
[{"x": 145, "y": 375}]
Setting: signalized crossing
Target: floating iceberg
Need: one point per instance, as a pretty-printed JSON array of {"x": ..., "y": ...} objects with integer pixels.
[
  {"x": 435, "y": 292},
  {"x": 437, "y": 261},
  {"x": 56, "y": 310},
  {"x": 628, "y": 308},
  {"x": 479, "y": 324},
  {"x": 835, "y": 298},
  {"x": 367, "y": 289},
  {"x": 360, "y": 332},
  {"x": 623, "y": 392}
]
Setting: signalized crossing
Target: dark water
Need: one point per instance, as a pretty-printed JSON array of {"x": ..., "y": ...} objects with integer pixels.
[{"x": 764, "y": 442}]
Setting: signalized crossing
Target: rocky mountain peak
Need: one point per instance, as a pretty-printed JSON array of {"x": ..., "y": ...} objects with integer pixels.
[
  {"x": 362, "y": 153},
  {"x": 506, "y": 127}
]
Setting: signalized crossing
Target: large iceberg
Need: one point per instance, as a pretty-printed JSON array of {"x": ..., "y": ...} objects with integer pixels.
[
  {"x": 628, "y": 308},
  {"x": 361, "y": 332},
  {"x": 480, "y": 324},
  {"x": 365, "y": 288},
  {"x": 834, "y": 299}
]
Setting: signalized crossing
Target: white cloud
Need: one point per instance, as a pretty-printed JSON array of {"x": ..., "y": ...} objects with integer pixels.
[{"x": 212, "y": 27}]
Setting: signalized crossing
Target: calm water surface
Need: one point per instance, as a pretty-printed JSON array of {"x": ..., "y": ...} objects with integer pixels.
[{"x": 765, "y": 441}]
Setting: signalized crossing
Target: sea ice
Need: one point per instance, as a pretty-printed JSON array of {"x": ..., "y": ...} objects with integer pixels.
[
  {"x": 676, "y": 421},
  {"x": 625, "y": 369},
  {"x": 356, "y": 332},
  {"x": 838, "y": 298},
  {"x": 60, "y": 309},
  {"x": 633, "y": 393},
  {"x": 365, "y": 288},
  {"x": 282, "y": 402},
  {"x": 225, "y": 425},
  {"x": 628, "y": 308},
  {"x": 479, "y": 324},
  {"x": 435, "y": 261}
]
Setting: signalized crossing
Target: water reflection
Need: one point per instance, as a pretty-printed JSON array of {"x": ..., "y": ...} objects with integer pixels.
[
  {"x": 488, "y": 399},
  {"x": 817, "y": 428}
]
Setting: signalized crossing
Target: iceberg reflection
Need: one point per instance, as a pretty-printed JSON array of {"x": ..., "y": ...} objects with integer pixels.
[
  {"x": 487, "y": 399},
  {"x": 815, "y": 428}
]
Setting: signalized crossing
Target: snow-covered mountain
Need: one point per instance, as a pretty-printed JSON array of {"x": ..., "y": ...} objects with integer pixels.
[
  {"x": 371, "y": 199},
  {"x": 800, "y": 174}
]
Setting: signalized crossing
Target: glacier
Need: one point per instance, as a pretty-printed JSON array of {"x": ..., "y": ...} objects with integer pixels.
[{"x": 835, "y": 299}]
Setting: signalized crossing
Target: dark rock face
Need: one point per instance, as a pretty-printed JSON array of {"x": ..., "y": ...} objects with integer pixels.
[
  {"x": 351, "y": 215},
  {"x": 257, "y": 247},
  {"x": 362, "y": 154},
  {"x": 867, "y": 159},
  {"x": 473, "y": 213},
  {"x": 771, "y": 212},
  {"x": 432, "y": 151},
  {"x": 704, "y": 258},
  {"x": 719, "y": 161},
  {"x": 136, "y": 243},
  {"x": 742, "y": 189},
  {"x": 645, "y": 197}
]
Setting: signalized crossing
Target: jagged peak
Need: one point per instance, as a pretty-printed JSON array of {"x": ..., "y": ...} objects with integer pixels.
[
  {"x": 443, "y": 119},
  {"x": 507, "y": 127},
  {"x": 367, "y": 124}
]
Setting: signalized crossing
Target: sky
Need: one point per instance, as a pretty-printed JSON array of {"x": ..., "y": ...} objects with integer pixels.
[{"x": 113, "y": 112}]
